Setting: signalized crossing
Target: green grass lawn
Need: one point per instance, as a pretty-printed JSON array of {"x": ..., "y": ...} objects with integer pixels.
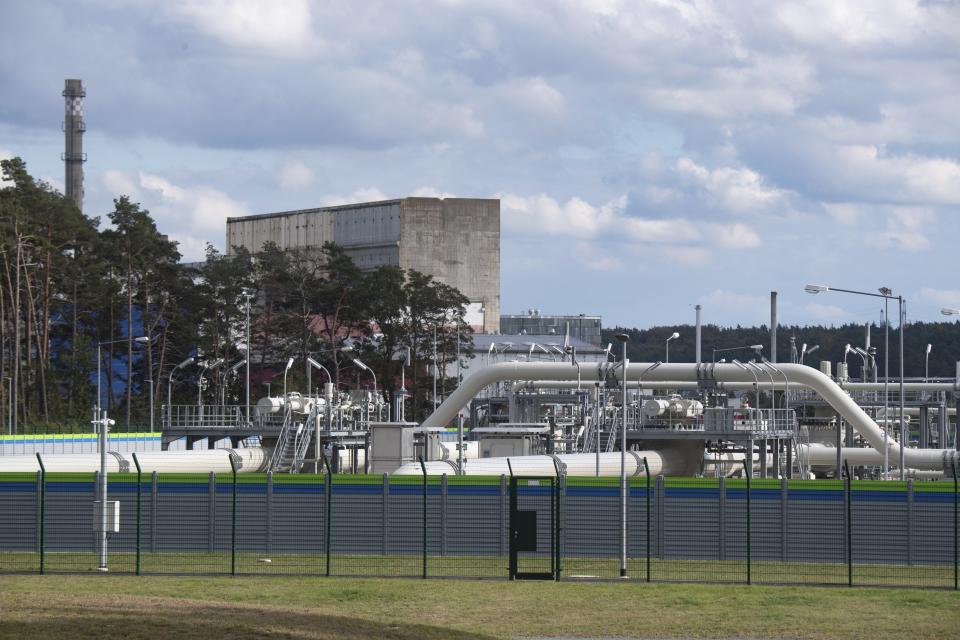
[
  {"x": 132, "y": 608},
  {"x": 411, "y": 565}
]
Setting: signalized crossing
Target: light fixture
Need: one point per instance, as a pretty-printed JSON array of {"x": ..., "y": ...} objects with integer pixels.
[{"x": 816, "y": 288}]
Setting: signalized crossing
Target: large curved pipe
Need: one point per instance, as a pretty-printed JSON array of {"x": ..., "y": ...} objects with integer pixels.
[
  {"x": 251, "y": 460},
  {"x": 731, "y": 386},
  {"x": 576, "y": 464},
  {"x": 796, "y": 373}
]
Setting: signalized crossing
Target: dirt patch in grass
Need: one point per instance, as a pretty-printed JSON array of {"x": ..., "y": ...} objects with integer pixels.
[{"x": 151, "y": 618}]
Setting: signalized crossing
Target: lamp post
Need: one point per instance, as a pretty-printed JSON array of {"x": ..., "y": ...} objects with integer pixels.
[
  {"x": 623, "y": 338},
  {"x": 887, "y": 294},
  {"x": 207, "y": 366},
  {"x": 104, "y": 423},
  {"x": 756, "y": 347},
  {"x": 926, "y": 363},
  {"x": 285, "y": 370},
  {"x": 364, "y": 367},
  {"x": 804, "y": 351},
  {"x": 223, "y": 380},
  {"x": 185, "y": 363},
  {"x": 247, "y": 295},
  {"x": 674, "y": 336}
]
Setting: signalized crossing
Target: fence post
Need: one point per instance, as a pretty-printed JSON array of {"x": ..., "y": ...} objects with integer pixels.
[
  {"x": 956, "y": 528},
  {"x": 423, "y": 467},
  {"x": 503, "y": 513},
  {"x": 646, "y": 468},
  {"x": 327, "y": 491},
  {"x": 443, "y": 514},
  {"x": 849, "y": 507},
  {"x": 557, "y": 488},
  {"x": 748, "y": 472},
  {"x": 722, "y": 518},
  {"x": 910, "y": 522},
  {"x": 139, "y": 498},
  {"x": 212, "y": 512},
  {"x": 384, "y": 513},
  {"x": 784, "y": 517},
  {"x": 43, "y": 508},
  {"x": 269, "y": 522},
  {"x": 154, "y": 508},
  {"x": 233, "y": 518}
]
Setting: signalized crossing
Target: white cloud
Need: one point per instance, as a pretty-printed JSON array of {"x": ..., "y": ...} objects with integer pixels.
[
  {"x": 908, "y": 178},
  {"x": 431, "y": 192},
  {"x": 544, "y": 215},
  {"x": 737, "y": 190},
  {"x": 735, "y": 236},
  {"x": 191, "y": 215},
  {"x": 280, "y": 28},
  {"x": 362, "y": 194},
  {"x": 295, "y": 175},
  {"x": 941, "y": 297},
  {"x": 906, "y": 229},
  {"x": 118, "y": 183},
  {"x": 595, "y": 258},
  {"x": 827, "y": 312},
  {"x": 55, "y": 183},
  {"x": 753, "y": 309}
]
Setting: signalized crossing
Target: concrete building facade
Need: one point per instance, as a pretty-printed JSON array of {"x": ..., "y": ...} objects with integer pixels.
[{"x": 456, "y": 240}]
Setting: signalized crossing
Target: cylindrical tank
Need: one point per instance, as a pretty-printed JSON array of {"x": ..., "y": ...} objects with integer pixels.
[
  {"x": 842, "y": 372},
  {"x": 266, "y": 406},
  {"x": 655, "y": 407},
  {"x": 825, "y": 368}
]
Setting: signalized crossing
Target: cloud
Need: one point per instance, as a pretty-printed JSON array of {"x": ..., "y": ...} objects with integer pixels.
[
  {"x": 362, "y": 194},
  {"x": 431, "y": 192},
  {"x": 281, "y": 29},
  {"x": 736, "y": 190},
  {"x": 735, "y": 236},
  {"x": 190, "y": 215},
  {"x": 753, "y": 309},
  {"x": 906, "y": 229},
  {"x": 294, "y": 175},
  {"x": 119, "y": 183},
  {"x": 941, "y": 297},
  {"x": 826, "y": 312}
]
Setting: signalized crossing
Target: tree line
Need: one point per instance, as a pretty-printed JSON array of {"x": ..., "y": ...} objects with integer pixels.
[
  {"x": 649, "y": 345},
  {"x": 67, "y": 285}
]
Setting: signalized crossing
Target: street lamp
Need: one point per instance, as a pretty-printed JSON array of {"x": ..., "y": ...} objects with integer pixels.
[
  {"x": 364, "y": 367},
  {"x": 207, "y": 366},
  {"x": 623, "y": 338},
  {"x": 223, "y": 381},
  {"x": 247, "y": 295},
  {"x": 183, "y": 364},
  {"x": 104, "y": 423},
  {"x": 672, "y": 337},
  {"x": 755, "y": 347},
  {"x": 315, "y": 365},
  {"x": 950, "y": 312},
  {"x": 926, "y": 363},
  {"x": 887, "y": 294},
  {"x": 804, "y": 351},
  {"x": 285, "y": 370}
]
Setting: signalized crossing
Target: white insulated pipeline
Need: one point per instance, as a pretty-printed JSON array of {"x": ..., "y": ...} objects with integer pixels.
[
  {"x": 801, "y": 375},
  {"x": 250, "y": 460},
  {"x": 574, "y": 464}
]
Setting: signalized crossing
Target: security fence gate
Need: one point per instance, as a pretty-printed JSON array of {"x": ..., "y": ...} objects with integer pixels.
[
  {"x": 769, "y": 531},
  {"x": 534, "y": 528}
]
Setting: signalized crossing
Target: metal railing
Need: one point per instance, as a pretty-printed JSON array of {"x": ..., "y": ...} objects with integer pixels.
[{"x": 191, "y": 416}]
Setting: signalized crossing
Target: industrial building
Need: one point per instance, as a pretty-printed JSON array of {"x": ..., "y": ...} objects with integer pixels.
[
  {"x": 456, "y": 240},
  {"x": 582, "y": 326}
]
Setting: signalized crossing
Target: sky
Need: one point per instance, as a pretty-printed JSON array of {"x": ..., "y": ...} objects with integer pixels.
[{"x": 649, "y": 156}]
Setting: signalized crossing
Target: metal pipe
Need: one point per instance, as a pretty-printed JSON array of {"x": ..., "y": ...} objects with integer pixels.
[
  {"x": 797, "y": 374},
  {"x": 697, "y": 309}
]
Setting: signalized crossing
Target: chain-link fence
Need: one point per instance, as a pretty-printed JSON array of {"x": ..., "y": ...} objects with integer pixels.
[{"x": 734, "y": 530}]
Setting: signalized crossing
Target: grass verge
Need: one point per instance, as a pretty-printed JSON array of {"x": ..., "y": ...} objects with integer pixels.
[{"x": 344, "y": 608}]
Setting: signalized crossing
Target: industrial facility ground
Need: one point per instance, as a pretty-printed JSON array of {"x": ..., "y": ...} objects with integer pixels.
[{"x": 211, "y": 608}]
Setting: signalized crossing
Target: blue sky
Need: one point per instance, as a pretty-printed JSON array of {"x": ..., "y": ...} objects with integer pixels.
[{"x": 649, "y": 155}]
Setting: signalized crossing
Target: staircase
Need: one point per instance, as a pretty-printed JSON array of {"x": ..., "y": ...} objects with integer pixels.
[
  {"x": 293, "y": 442},
  {"x": 302, "y": 439}
]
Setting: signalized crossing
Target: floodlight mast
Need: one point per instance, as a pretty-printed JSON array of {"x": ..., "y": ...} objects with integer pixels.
[{"x": 887, "y": 294}]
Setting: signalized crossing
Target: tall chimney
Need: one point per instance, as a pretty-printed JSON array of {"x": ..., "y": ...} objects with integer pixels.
[
  {"x": 773, "y": 326},
  {"x": 73, "y": 128},
  {"x": 697, "y": 308}
]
